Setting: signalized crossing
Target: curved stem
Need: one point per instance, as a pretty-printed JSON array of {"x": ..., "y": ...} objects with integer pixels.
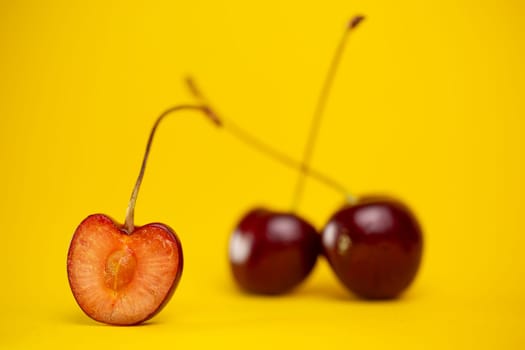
[
  {"x": 130, "y": 212},
  {"x": 320, "y": 107},
  {"x": 268, "y": 150}
]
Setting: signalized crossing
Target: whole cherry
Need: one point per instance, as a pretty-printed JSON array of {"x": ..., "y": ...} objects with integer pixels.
[
  {"x": 272, "y": 252},
  {"x": 125, "y": 274},
  {"x": 374, "y": 246}
]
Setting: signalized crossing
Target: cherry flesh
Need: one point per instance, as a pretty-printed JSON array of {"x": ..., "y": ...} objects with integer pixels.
[
  {"x": 272, "y": 252},
  {"x": 120, "y": 278},
  {"x": 374, "y": 247}
]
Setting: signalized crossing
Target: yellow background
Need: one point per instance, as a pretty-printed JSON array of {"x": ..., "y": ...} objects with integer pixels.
[{"x": 428, "y": 105}]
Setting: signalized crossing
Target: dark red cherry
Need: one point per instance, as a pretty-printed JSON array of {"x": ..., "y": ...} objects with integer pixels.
[
  {"x": 374, "y": 247},
  {"x": 272, "y": 252}
]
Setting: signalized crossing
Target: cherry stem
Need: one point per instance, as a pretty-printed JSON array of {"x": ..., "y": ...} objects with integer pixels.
[
  {"x": 268, "y": 150},
  {"x": 130, "y": 212},
  {"x": 320, "y": 108}
]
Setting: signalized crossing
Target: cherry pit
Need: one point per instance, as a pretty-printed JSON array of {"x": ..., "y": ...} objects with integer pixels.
[{"x": 122, "y": 274}]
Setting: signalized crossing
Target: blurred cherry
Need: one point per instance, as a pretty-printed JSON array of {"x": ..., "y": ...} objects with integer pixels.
[
  {"x": 272, "y": 252},
  {"x": 374, "y": 246}
]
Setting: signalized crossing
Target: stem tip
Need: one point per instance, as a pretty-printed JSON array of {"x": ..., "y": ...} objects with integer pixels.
[{"x": 354, "y": 22}]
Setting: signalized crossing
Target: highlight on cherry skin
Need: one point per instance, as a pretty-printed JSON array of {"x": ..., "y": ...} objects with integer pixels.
[
  {"x": 374, "y": 246},
  {"x": 125, "y": 274}
]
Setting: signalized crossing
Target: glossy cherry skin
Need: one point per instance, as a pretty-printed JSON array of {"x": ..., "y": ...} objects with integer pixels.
[
  {"x": 272, "y": 252},
  {"x": 374, "y": 247}
]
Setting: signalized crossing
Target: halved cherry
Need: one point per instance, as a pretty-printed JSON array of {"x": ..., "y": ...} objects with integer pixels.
[
  {"x": 125, "y": 274},
  {"x": 123, "y": 279}
]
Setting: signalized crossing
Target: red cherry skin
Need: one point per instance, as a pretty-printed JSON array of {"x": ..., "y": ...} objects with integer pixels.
[
  {"x": 374, "y": 247},
  {"x": 272, "y": 252}
]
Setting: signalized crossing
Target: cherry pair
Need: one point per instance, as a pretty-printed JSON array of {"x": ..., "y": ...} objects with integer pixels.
[
  {"x": 374, "y": 247},
  {"x": 373, "y": 244}
]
